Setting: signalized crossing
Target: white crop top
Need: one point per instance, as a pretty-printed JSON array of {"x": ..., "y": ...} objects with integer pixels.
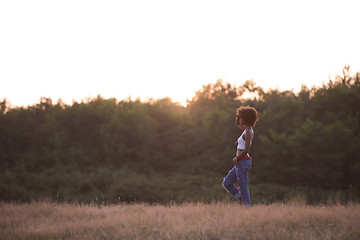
[{"x": 241, "y": 141}]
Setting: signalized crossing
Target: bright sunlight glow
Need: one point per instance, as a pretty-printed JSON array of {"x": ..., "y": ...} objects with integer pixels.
[{"x": 74, "y": 49}]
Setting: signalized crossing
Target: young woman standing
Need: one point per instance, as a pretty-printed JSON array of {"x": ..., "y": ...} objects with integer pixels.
[{"x": 246, "y": 117}]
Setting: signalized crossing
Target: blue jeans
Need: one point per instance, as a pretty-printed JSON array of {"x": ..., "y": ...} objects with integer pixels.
[{"x": 240, "y": 173}]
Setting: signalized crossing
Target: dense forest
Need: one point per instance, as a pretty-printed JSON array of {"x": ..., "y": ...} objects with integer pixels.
[{"x": 106, "y": 150}]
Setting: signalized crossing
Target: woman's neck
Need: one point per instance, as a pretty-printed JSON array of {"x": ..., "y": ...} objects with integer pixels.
[{"x": 246, "y": 127}]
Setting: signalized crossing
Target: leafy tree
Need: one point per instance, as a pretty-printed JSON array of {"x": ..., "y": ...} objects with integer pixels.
[{"x": 305, "y": 142}]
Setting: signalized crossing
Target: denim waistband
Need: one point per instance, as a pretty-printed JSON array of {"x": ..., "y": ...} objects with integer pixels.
[{"x": 245, "y": 158}]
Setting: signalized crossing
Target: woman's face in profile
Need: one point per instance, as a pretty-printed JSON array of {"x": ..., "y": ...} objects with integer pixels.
[{"x": 241, "y": 122}]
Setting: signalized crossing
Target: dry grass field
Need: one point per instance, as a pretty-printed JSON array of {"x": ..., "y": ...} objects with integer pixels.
[{"x": 46, "y": 220}]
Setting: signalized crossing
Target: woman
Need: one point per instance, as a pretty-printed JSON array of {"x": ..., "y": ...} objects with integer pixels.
[{"x": 246, "y": 117}]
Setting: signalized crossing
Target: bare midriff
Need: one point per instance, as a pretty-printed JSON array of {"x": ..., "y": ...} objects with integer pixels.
[{"x": 239, "y": 151}]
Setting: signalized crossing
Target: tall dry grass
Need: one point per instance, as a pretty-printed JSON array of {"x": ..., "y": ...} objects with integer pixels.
[{"x": 45, "y": 220}]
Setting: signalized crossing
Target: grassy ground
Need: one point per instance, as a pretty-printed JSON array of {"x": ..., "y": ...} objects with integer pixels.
[{"x": 45, "y": 220}]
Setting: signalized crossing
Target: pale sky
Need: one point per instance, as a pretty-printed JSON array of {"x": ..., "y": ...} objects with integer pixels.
[{"x": 74, "y": 49}]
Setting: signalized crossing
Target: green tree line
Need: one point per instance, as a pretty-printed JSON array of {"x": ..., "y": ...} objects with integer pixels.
[{"x": 105, "y": 150}]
